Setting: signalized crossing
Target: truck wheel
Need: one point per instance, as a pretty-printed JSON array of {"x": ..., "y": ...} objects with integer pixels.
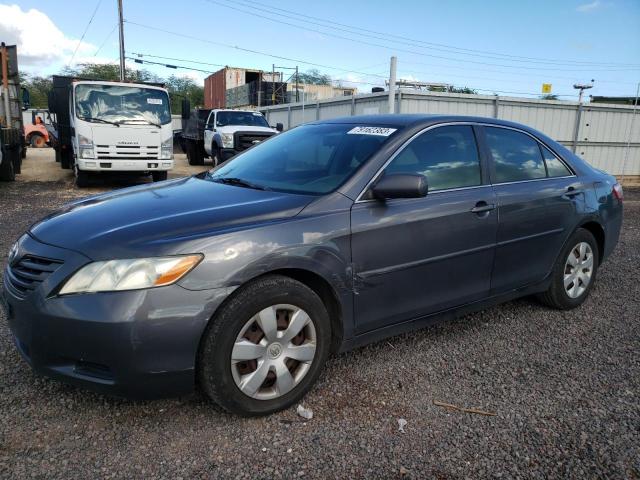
[
  {"x": 216, "y": 155},
  {"x": 200, "y": 153},
  {"x": 66, "y": 159},
  {"x": 37, "y": 141},
  {"x": 82, "y": 178},
  {"x": 159, "y": 176},
  {"x": 7, "y": 173},
  {"x": 191, "y": 152}
]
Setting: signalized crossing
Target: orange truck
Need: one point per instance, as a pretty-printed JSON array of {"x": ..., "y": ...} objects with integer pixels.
[{"x": 35, "y": 132}]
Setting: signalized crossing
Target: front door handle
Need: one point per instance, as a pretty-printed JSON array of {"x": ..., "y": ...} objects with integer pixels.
[{"x": 482, "y": 207}]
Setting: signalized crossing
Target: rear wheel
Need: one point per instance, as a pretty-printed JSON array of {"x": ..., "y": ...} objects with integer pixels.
[
  {"x": 574, "y": 272},
  {"x": 265, "y": 348},
  {"x": 7, "y": 173}
]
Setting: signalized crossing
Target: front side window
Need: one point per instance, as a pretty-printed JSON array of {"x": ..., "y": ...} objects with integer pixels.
[
  {"x": 516, "y": 156},
  {"x": 555, "y": 168},
  {"x": 447, "y": 156},
  {"x": 311, "y": 159},
  {"x": 121, "y": 104},
  {"x": 250, "y": 119}
]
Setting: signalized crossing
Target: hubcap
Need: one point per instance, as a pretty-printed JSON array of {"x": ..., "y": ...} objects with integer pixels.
[
  {"x": 273, "y": 351},
  {"x": 578, "y": 270}
]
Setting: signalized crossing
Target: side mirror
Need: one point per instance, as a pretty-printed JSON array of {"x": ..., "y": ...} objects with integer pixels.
[
  {"x": 26, "y": 99},
  {"x": 400, "y": 185},
  {"x": 279, "y": 127}
]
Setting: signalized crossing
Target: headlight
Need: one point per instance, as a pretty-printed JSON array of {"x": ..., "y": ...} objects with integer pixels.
[
  {"x": 227, "y": 140},
  {"x": 85, "y": 147},
  {"x": 131, "y": 274},
  {"x": 166, "y": 149}
]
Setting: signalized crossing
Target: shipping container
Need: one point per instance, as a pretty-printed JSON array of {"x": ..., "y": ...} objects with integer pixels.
[{"x": 217, "y": 84}]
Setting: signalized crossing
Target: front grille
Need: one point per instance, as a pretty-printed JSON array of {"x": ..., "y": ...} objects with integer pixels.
[
  {"x": 113, "y": 152},
  {"x": 30, "y": 272},
  {"x": 248, "y": 140}
]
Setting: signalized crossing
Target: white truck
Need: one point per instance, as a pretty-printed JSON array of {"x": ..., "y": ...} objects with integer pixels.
[
  {"x": 111, "y": 127},
  {"x": 229, "y": 132}
]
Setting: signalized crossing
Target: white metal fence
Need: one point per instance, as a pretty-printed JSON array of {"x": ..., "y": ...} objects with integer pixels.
[{"x": 599, "y": 133}]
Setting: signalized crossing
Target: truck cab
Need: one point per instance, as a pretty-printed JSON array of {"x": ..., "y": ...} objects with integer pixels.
[
  {"x": 113, "y": 127},
  {"x": 229, "y": 132}
]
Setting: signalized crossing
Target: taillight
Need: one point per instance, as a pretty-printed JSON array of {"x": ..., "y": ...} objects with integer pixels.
[{"x": 617, "y": 192}]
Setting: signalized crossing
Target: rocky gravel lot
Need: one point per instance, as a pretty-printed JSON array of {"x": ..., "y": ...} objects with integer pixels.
[{"x": 565, "y": 387}]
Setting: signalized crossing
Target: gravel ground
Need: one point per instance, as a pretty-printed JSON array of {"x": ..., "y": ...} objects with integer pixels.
[{"x": 564, "y": 386}]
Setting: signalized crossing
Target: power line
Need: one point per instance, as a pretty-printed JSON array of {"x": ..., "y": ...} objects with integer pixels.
[
  {"x": 257, "y": 52},
  {"x": 394, "y": 48},
  {"x": 405, "y": 40},
  {"x": 85, "y": 32},
  {"x": 138, "y": 59},
  {"x": 106, "y": 39}
]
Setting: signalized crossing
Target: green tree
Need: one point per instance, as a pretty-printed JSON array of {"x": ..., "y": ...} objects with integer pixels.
[
  {"x": 38, "y": 87},
  {"x": 184, "y": 88},
  {"x": 314, "y": 77},
  {"x": 178, "y": 87},
  {"x": 468, "y": 90},
  {"x": 549, "y": 96}
]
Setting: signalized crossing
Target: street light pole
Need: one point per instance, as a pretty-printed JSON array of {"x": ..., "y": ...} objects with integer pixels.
[
  {"x": 121, "y": 24},
  {"x": 582, "y": 87}
]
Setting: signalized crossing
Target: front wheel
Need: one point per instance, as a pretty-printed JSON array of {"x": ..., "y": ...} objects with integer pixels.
[
  {"x": 159, "y": 176},
  {"x": 82, "y": 178},
  {"x": 266, "y": 347},
  {"x": 574, "y": 272}
]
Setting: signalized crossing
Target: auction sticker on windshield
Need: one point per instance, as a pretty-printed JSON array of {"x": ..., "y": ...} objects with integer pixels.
[
  {"x": 381, "y": 131},
  {"x": 154, "y": 101}
]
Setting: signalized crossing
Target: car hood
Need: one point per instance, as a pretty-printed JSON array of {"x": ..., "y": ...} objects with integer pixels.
[
  {"x": 161, "y": 219},
  {"x": 244, "y": 128}
]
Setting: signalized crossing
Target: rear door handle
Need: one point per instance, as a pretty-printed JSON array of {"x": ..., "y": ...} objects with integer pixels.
[
  {"x": 482, "y": 207},
  {"x": 572, "y": 192}
]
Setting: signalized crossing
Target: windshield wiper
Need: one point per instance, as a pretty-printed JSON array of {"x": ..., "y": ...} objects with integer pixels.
[
  {"x": 100, "y": 120},
  {"x": 238, "y": 182},
  {"x": 140, "y": 120}
]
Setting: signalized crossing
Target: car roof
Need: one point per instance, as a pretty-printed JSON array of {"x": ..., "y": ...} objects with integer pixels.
[{"x": 404, "y": 120}]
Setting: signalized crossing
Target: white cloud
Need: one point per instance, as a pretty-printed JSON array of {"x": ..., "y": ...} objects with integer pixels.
[
  {"x": 40, "y": 42},
  {"x": 588, "y": 7}
]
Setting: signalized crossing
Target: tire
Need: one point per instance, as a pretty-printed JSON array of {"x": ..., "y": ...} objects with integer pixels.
[
  {"x": 37, "y": 141},
  {"x": 82, "y": 178},
  {"x": 216, "y": 155},
  {"x": 560, "y": 296},
  {"x": 159, "y": 176},
  {"x": 199, "y": 153},
  {"x": 191, "y": 153},
  {"x": 66, "y": 159},
  {"x": 7, "y": 173},
  {"x": 215, "y": 365}
]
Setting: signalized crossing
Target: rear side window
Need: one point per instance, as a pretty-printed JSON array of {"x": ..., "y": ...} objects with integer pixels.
[
  {"x": 447, "y": 156},
  {"x": 555, "y": 168},
  {"x": 516, "y": 156}
]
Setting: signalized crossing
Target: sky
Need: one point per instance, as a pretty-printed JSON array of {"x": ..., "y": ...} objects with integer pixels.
[{"x": 505, "y": 47}]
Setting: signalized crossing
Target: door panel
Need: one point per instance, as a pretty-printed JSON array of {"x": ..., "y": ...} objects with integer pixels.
[
  {"x": 535, "y": 218},
  {"x": 414, "y": 257}
]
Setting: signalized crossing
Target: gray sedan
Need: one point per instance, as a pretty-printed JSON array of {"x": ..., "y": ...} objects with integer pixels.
[{"x": 244, "y": 279}]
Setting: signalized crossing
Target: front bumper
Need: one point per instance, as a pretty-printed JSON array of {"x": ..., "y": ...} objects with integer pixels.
[
  {"x": 124, "y": 165},
  {"x": 136, "y": 344}
]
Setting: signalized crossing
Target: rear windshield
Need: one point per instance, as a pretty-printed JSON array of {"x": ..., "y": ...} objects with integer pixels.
[{"x": 311, "y": 159}]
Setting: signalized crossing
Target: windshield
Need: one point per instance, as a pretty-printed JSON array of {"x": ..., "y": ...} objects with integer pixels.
[
  {"x": 312, "y": 159},
  {"x": 251, "y": 119},
  {"x": 122, "y": 104}
]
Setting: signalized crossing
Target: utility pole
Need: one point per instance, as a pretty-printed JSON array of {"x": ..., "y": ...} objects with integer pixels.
[
  {"x": 297, "y": 94},
  {"x": 121, "y": 23},
  {"x": 392, "y": 85},
  {"x": 273, "y": 84}
]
